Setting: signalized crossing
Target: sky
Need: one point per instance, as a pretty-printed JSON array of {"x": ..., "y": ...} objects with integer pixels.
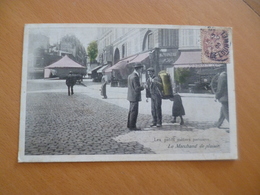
[{"x": 84, "y": 34}]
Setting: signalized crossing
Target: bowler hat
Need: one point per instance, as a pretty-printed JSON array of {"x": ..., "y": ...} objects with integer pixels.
[{"x": 138, "y": 66}]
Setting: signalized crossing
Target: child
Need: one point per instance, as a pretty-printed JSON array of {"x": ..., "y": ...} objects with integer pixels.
[{"x": 177, "y": 108}]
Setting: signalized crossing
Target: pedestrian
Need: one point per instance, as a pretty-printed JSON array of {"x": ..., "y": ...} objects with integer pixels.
[
  {"x": 154, "y": 91},
  {"x": 134, "y": 96},
  {"x": 104, "y": 88},
  {"x": 222, "y": 96},
  {"x": 177, "y": 108},
  {"x": 70, "y": 82}
]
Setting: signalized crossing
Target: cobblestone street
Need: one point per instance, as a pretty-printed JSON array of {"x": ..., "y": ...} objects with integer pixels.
[
  {"x": 84, "y": 124},
  {"x": 76, "y": 125}
]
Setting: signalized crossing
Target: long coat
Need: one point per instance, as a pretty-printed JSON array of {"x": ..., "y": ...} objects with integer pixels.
[
  {"x": 222, "y": 90},
  {"x": 134, "y": 88},
  {"x": 70, "y": 80},
  {"x": 177, "y": 107}
]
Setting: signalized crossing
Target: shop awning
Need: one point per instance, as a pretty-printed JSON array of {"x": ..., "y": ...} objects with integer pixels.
[
  {"x": 189, "y": 58},
  {"x": 102, "y": 69},
  {"x": 96, "y": 68},
  {"x": 140, "y": 58},
  {"x": 196, "y": 65},
  {"x": 121, "y": 64},
  {"x": 192, "y": 59}
]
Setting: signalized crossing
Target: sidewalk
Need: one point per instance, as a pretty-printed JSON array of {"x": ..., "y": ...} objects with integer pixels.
[
  {"x": 198, "y": 107},
  {"x": 174, "y": 138}
]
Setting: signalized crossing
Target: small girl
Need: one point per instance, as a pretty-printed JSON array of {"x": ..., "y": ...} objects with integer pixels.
[{"x": 177, "y": 108}]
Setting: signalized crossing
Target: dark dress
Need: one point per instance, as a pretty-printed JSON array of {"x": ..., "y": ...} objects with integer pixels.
[{"x": 177, "y": 107}]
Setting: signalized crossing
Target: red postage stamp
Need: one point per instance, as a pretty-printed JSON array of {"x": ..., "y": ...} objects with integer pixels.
[{"x": 215, "y": 45}]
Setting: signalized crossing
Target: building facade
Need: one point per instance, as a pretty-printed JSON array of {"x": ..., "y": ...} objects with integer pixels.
[
  {"x": 177, "y": 51},
  {"x": 153, "y": 47}
]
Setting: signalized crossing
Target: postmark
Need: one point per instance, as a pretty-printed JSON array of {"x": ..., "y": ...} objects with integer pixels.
[{"x": 215, "y": 45}]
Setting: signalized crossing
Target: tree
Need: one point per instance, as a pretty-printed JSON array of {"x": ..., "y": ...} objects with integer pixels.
[
  {"x": 181, "y": 75},
  {"x": 92, "y": 51}
]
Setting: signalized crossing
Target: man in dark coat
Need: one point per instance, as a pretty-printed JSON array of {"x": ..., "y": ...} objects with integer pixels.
[
  {"x": 154, "y": 91},
  {"x": 134, "y": 96},
  {"x": 70, "y": 82},
  {"x": 222, "y": 96}
]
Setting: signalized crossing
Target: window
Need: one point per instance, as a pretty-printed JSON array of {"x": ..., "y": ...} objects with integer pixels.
[
  {"x": 124, "y": 54},
  {"x": 189, "y": 39},
  {"x": 150, "y": 41},
  {"x": 169, "y": 38}
]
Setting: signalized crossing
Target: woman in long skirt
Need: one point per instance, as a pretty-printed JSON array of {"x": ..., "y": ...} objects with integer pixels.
[{"x": 177, "y": 108}]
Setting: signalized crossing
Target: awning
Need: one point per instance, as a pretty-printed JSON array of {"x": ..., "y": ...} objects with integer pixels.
[
  {"x": 121, "y": 64},
  {"x": 196, "y": 65},
  {"x": 192, "y": 59},
  {"x": 102, "y": 68},
  {"x": 140, "y": 57},
  {"x": 96, "y": 68},
  {"x": 189, "y": 58}
]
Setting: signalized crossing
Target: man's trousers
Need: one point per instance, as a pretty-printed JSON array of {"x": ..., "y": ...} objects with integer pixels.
[{"x": 132, "y": 115}]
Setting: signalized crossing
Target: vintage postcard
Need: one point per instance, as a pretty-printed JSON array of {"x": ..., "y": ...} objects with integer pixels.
[{"x": 127, "y": 92}]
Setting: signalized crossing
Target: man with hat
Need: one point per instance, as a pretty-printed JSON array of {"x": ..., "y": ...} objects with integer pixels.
[
  {"x": 222, "y": 96},
  {"x": 70, "y": 82},
  {"x": 153, "y": 91},
  {"x": 134, "y": 96}
]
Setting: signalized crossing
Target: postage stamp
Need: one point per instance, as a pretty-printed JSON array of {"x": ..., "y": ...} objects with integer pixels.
[
  {"x": 215, "y": 45},
  {"x": 127, "y": 92}
]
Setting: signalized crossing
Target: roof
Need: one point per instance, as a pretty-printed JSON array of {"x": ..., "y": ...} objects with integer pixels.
[{"x": 65, "y": 62}]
